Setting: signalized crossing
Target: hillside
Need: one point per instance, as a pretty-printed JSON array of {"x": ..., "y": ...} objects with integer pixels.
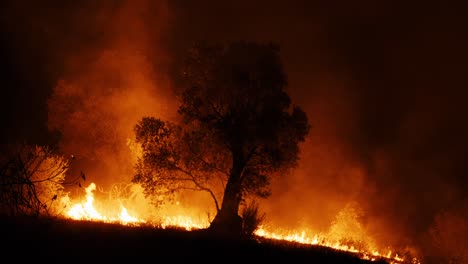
[{"x": 67, "y": 240}]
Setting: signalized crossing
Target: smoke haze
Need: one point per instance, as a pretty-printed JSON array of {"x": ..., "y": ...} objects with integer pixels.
[{"x": 107, "y": 88}]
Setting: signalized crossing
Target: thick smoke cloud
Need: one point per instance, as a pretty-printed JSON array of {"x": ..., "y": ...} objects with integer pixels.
[
  {"x": 384, "y": 84},
  {"x": 108, "y": 87},
  {"x": 407, "y": 66}
]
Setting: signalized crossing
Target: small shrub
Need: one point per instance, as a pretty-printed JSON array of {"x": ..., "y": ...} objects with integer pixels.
[
  {"x": 32, "y": 182},
  {"x": 252, "y": 218}
]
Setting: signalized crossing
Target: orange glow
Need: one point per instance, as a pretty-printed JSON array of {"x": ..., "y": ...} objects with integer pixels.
[
  {"x": 86, "y": 210},
  {"x": 304, "y": 237}
]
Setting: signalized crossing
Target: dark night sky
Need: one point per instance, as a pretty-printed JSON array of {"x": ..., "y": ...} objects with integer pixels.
[{"x": 384, "y": 84}]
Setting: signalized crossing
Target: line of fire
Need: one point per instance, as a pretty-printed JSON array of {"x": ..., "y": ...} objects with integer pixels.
[{"x": 236, "y": 132}]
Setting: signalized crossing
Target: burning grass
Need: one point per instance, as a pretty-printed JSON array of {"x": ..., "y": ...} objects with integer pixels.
[
  {"x": 118, "y": 225},
  {"x": 50, "y": 239},
  {"x": 346, "y": 233}
]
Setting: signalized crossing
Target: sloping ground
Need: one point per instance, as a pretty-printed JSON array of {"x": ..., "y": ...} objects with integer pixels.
[{"x": 68, "y": 241}]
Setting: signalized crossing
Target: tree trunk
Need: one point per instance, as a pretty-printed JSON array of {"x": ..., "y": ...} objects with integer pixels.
[{"x": 227, "y": 220}]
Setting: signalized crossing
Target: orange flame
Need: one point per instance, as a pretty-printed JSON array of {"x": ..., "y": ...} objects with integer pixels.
[
  {"x": 86, "y": 210},
  {"x": 303, "y": 237}
]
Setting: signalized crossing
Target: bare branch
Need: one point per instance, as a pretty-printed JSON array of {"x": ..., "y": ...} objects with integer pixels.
[{"x": 200, "y": 187}]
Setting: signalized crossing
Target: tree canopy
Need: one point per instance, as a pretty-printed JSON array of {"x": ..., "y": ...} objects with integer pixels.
[{"x": 238, "y": 127}]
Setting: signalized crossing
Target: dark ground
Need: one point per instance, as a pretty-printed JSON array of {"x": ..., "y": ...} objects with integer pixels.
[{"x": 69, "y": 241}]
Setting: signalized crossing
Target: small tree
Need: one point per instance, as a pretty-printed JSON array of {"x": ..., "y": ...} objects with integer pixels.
[
  {"x": 32, "y": 181},
  {"x": 449, "y": 232},
  {"x": 238, "y": 125},
  {"x": 252, "y": 218},
  {"x": 347, "y": 228}
]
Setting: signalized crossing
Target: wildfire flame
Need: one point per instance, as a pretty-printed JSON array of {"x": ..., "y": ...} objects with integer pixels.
[
  {"x": 85, "y": 210},
  {"x": 303, "y": 237}
]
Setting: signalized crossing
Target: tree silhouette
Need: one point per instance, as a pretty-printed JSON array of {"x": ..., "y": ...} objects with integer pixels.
[
  {"x": 238, "y": 125},
  {"x": 32, "y": 181}
]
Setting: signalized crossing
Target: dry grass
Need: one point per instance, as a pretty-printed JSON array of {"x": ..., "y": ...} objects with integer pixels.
[{"x": 68, "y": 240}]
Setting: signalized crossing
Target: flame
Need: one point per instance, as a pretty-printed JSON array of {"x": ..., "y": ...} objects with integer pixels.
[
  {"x": 304, "y": 237},
  {"x": 86, "y": 210},
  {"x": 182, "y": 221}
]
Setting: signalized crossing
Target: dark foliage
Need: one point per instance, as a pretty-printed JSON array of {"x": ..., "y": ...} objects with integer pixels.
[
  {"x": 238, "y": 126},
  {"x": 252, "y": 218},
  {"x": 32, "y": 179}
]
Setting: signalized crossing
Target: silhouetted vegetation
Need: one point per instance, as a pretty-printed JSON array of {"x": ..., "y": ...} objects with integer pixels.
[
  {"x": 32, "y": 181},
  {"x": 238, "y": 129},
  {"x": 252, "y": 218}
]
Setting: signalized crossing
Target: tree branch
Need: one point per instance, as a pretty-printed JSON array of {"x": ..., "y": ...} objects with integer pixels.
[
  {"x": 207, "y": 163},
  {"x": 250, "y": 154},
  {"x": 197, "y": 184}
]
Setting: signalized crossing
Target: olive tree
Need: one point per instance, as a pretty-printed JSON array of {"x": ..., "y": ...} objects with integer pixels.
[{"x": 237, "y": 126}]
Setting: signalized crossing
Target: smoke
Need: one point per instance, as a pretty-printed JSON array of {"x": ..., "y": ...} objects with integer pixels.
[
  {"x": 109, "y": 84},
  {"x": 384, "y": 86}
]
